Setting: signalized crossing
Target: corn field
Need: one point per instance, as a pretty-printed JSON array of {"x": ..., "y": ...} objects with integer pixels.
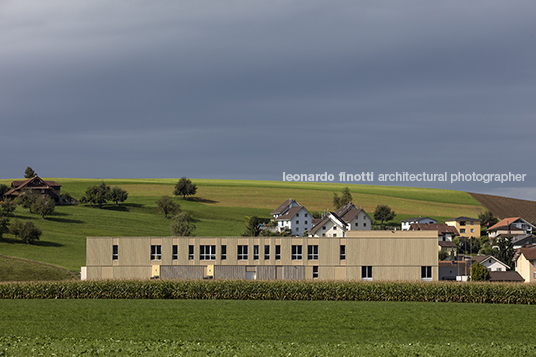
[{"x": 491, "y": 293}]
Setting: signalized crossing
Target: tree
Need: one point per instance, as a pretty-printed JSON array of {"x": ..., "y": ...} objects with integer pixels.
[
  {"x": 97, "y": 195},
  {"x": 345, "y": 198},
  {"x": 505, "y": 251},
  {"x": 15, "y": 227},
  {"x": 4, "y": 224},
  {"x": 442, "y": 255},
  {"x": 479, "y": 272},
  {"x": 383, "y": 213},
  {"x": 487, "y": 219},
  {"x": 252, "y": 227},
  {"x": 27, "y": 199},
  {"x": 29, "y": 172},
  {"x": 181, "y": 225},
  {"x": 30, "y": 233},
  {"x": 43, "y": 206},
  {"x": 8, "y": 207},
  {"x": 166, "y": 206},
  {"x": 66, "y": 197},
  {"x": 117, "y": 195},
  {"x": 184, "y": 188},
  {"x": 3, "y": 190}
]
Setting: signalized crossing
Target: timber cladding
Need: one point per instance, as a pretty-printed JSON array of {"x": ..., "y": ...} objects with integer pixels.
[{"x": 369, "y": 255}]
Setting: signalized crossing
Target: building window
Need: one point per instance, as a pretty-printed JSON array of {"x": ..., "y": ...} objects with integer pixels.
[
  {"x": 277, "y": 252},
  {"x": 190, "y": 252},
  {"x": 366, "y": 273},
  {"x": 255, "y": 252},
  {"x": 156, "y": 252},
  {"x": 312, "y": 252},
  {"x": 364, "y": 224},
  {"x": 324, "y": 227},
  {"x": 342, "y": 252},
  {"x": 305, "y": 222},
  {"x": 306, "y": 215},
  {"x": 334, "y": 234},
  {"x": 462, "y": 230},
  {"x": 334, "y": 228},
  {"x": 223, "y": 252},
  {"x": 315, "y": 271},
  {"x": 266, "y": 252},
  {"x": 426, "y": 273},
  {"x": 472, "y": 230},
  {"x": 297, "y": 222},
  {"x": 242, "y": 252},
  {"x": 356, "y": 224},
  {"x": 296, "y": 252},
  {"x": 297, "y": 229},
  {"x": 462, "y": 223},
  {"x": 207, "y": 252},
  {"x": 115, "y": 252},
  {"x": 175, "y": 252},
  {"x": 297, "y": 214}
]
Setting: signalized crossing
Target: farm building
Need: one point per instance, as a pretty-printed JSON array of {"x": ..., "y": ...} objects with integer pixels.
[{"x": 361, "y": 255}]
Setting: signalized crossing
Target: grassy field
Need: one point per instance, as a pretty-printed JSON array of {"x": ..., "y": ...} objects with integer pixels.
[
  {"x": 16, "y": 269},
  {"x": 219, "y": 209},
  {"x": 216, "y": 327}
]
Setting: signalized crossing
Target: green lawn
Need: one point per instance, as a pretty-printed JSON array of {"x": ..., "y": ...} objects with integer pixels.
[
  {"x": 219, "y": 209},
  {"x": 197, "y": 327}
]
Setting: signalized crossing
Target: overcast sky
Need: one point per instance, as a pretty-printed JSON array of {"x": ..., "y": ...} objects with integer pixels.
[{"x": 252, "y": 89}]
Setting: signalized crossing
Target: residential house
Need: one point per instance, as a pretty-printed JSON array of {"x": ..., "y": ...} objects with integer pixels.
[
  {"x": 510, "y": 226},
  {"x": 330, "y": 225},
  {"x": 466, "y": 226},
  {"x": 361, "y": 255},
  {"x": 406, "y": 223},
  {"x": 523, "y": 240},
  {"x": 355, "y": 218},
  {"x": 297, "y": 219},
  {"x": 284, "y": 207},
  {"x": 490, "y": 262},
  {"x": 37, "y": 185},
  {"x": 454, "y": 270},
  {"x": 445, "y": 234},
  {"x": 525, "y": 263}
]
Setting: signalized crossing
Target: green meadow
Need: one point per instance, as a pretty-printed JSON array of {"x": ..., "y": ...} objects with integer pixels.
[
  {"x": 219, "y": 209},
  {"x": 264, "y": 328}
]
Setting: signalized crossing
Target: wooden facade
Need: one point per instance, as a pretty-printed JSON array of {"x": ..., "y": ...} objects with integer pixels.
[{"x": 384, "y": 255}]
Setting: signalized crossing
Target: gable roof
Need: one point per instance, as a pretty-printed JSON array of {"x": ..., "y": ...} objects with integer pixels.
[
  {"x": 463, "y": 218},
  {"x": 32, "y": 182},
  {"x": 441, "y": 228},
  {"x": 505, "y": 276},
  {"x": 282, "y": 207},
  {"x": 481, "y": 258},
  {"x": 349, "y": 211},
  {"x": 290, "y": 213},
  {"x": 529, "y": 253},
  {"x": 507, "y": 222},
  {"x": 330, "y": 216}
]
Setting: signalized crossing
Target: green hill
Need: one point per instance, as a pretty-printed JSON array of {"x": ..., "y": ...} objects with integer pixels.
[{"x": 219, "y": 209}]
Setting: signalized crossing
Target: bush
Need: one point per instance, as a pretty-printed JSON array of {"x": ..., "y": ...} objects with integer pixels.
[{"x": 30, "y": 233}]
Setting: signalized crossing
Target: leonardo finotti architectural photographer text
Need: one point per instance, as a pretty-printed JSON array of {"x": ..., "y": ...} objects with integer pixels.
[{"x": 406, "y": 177}]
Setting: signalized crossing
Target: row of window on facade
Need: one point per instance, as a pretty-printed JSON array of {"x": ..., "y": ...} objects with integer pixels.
[{"x": 208, "y": 252}]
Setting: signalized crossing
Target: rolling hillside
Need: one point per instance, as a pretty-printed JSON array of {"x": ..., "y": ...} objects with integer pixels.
[{"x": 219, "y": 209}]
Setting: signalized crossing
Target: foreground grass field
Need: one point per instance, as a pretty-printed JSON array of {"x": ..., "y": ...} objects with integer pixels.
[
  {"x": 219, "y": 209},
  {"x": 266, "y": 328}
]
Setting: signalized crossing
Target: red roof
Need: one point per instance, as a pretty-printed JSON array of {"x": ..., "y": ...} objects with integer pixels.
[{"x": 504, "y": 223}]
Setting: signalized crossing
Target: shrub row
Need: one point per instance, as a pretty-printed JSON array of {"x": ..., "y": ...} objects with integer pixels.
[{"x": 275, "y": 290}]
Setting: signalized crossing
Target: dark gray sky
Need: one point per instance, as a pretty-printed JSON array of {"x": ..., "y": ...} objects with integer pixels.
[{"x": 252, "y": 89}]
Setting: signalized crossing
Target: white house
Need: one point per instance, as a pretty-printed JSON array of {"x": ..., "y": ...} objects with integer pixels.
[
  {"x": 297, "y": 219},
  {"x": 510, "y": 226},
  {"x": 355, "y": 218},
  {"x": 331, "y": 225},
  {"x": 284, "y": 207},
  {"x": 406, "y": 223},
  {"x": 490, "y": 262}
]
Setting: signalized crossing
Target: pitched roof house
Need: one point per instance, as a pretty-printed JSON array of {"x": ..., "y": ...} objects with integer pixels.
[
  {"x": 466, "y": 226},
  {"x": 331, "y": 225},
  {"x": 510, "y": 226},
  {"x": 35, "y": 184},
  {"x": 297, "y": 219},
  {"x": 490, "y": 262},
  {"x": 525, "y": 263},
  {"x": 284, "y": 207},
  {"x": 355, "y": 218},
  {"x": 406, "y": 223}
]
